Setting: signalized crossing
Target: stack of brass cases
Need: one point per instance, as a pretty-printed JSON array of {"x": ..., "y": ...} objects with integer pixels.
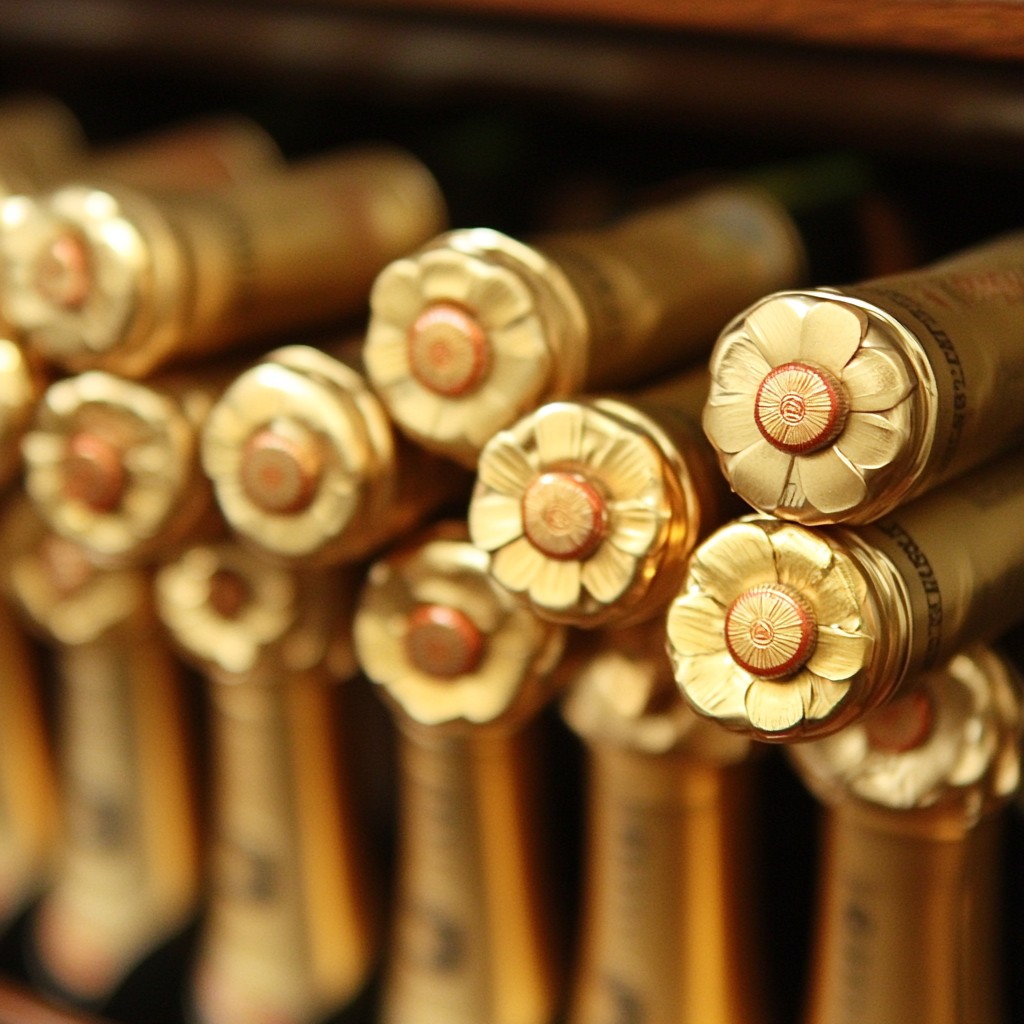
[
  {"x": 908, "y": 914},
  {"x": 466, "y": 670},
  {"x": 290, "y": 930},
  {"x": 666, "y": 934},
  {"x": 125, "y": 878}
]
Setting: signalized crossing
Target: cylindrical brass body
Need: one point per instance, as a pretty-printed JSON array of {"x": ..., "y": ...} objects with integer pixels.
[
  {"x": 152, "y": 278},
  {"x": 840, "y": 405},
  {"x": 305, "y": 463},
  {"x": 126, "y": 873},
  {"x": 113, "y": 464},
  {"x": 590, "y": 508},
  {"x": 290, "y": 933},
  {"x": 789, "y": 632},
  {"x": 465, "y": 670},
  {"x": 473, "y": 936},
  {"x": 668, "y": 931},
  {"x": 28, "y": 787},
  {"x": 908, "y": 915},
  {"x": 476, "y": 329}
]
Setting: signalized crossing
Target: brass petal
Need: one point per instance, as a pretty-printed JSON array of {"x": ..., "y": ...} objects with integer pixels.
[
  {"x": 628, "y": 466},
  {"x": 760, "y": 475},
  {"x": 775, "y": 327},
  {"x": 830, "y": 482},
  {"x": 696, "y": 625},
  {"x": 826, "y": 696},
  {"x": 737, "y": 366},
  {"x": 558, "y": 432},
  {"x": 608, "y": 573},
  {"x": 729, "y": 422},
  {"x": 386, "y": 354},
  {"x": 838, "y": 597},
  {"x": 494, "y": 520},
  {"x": 733, "y": 558},
  {"x": 516, "y": 565},
  {"x": 633, "y": 527},
  {"x": 839, "y": 654},
  {"x": 831, "y": 334},
  {"x": 774, "y": 707},
  {"x": 497, "y": 296},
  {"x": 713, "y": 685},
  {"x": 397, "y": 297},
  {"x": 556, "y": 584},
  {"x": 870, "y": 441},
  {"x": 444, "y": 275},
  {"x": 875, "y": 380},
  {"x": 505, "y": 467}
]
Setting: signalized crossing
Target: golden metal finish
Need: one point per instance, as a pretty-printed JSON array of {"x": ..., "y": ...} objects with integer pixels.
[
  {"x": 28, "y": 786},
  {"x": 476, "y": 329},
  {"x": 306, "y": 465},
  {"x": 840, "y": 405},
  {"x": 113, "y": 464},
  {"x": 465, "y": 669},
  {"x": 126, "y": 877},
  {"x": 908, "y": 905},
  {"x": 160, "y": 277},
  {"x": 432, "y": 605},
  {"x": 40, "y": 138},
  {"x": 589, "y": 508},
  {"x": 882, "y": 602},
  {"x": 290, "y": 934}
]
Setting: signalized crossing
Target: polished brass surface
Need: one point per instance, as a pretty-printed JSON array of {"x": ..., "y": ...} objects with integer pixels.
[
  {"x": 465, "y": 670},
  {"x": 909, "y": 890},
  {"x": 589, "y": 508},
  {"x": 305, "y": 463},
  {"x": 113, "y": 464},
  {"x": 667, "y": 933},
  {"x": 175, "y": 276},
  {"x": 882, "y": 601},
  {"x": 290, "y": 931},
  {"x": 126, "y": 874},
  {"x": 839, "y": 405},
  {"x": 28, "y": 785},
  {"x": 475, "y": 329}
]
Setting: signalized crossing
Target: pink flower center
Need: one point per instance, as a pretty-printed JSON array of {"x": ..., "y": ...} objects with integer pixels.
[
  {"x": 770, "y": 631},
  {"x": 800, "y": 408},
  {"x": 443, "y": 641},
  {"x": 448, "y": 350},
  {"x": 280, "y": 473},
  {"x": 564, "y": 515}
]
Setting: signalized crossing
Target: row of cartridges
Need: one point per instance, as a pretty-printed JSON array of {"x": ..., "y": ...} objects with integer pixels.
[{"x": 277, "y": 424}]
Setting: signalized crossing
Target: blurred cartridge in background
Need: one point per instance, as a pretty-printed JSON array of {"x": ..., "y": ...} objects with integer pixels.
[
  {"x": 909, "y": 887},
  {"x": 145, "y": 277},
  {"x": 790, "y": 632},
  {"x": 111, "y": 930},
  {"x": 466, "y": 671},
  {"x": 291, "y": 923},
  {"x": 305, "y": 462},
  {"x": 838, "y": 405},
  {"x": 113, "y": 464},
  {"x": 669, "y": 926}
]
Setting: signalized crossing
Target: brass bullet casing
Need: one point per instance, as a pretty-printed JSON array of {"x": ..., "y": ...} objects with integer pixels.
[
  {"x": 290, "y": 931},
  {"x": 305, "y": 463},
  {"x": 476, "y": 329},
  {"x": 589, "y": 508},
  {"x": 666, "y": 935},
  {"x": 839, "y": 405},
  {"x": 113, "y": 464},
  {"x": 145, "y": 278},
  {"x": 39, "y": 138},
  {"x": 28, "y": 786},
  {"x": 789, "y": 632},
  {"x": 126, "y": 876},
  {"x": 908, "y": 911},
  {"x": 23, "y": 379},
  {"x": 465, "y": 669}
]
